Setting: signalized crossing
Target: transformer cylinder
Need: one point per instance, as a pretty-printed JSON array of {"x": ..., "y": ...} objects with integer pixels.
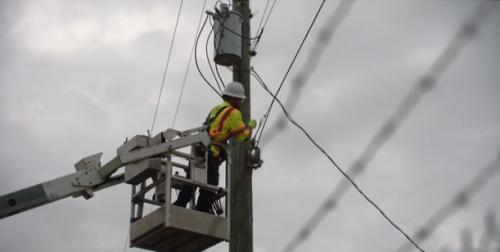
[{"x": 227, "y": 38}]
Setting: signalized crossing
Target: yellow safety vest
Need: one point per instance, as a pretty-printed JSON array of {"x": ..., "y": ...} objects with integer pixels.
[{"x": 226, "y": 122}]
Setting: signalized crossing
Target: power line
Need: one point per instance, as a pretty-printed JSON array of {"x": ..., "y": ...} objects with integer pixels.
[
  {"x": 292, "y": 246},
  {"x": 459, "y": 200},
  {"x": 220, "y": 77},
  {"x": 288, "y": 70},
  {"x": 238, "y": 34},
  {"x": 188, "y": 65},
  {"x": 161, "y": 87},
  {"x": 208, "y": 59},
  {"x": 327, "y": 31},
  {"x": 263, "y": 16},
  {"x": 196, "y": 59},
  {"x": 269, "y": 14},
  {"x": 265, "y": 23},
  {"x": 217, "y": 50},
  {"x": 166, "y": 67},
  {"x": 422, "y": 86}
]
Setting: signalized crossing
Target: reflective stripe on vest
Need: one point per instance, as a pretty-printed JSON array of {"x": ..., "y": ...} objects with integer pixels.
[{"x": 214, "y": 133}]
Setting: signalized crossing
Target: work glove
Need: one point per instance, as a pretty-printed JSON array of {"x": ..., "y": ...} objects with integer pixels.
[{"x": 252, "y": 124}]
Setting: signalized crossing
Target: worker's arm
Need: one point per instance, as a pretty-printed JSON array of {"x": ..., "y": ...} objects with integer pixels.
[{"x": 237, "y": 127}]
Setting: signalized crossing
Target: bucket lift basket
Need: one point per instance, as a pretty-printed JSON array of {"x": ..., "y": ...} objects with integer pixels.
[{"x": 169, "y": 227}]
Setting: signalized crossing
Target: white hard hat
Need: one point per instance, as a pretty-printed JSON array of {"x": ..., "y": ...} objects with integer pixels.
[{"x": 234, "y": 89}]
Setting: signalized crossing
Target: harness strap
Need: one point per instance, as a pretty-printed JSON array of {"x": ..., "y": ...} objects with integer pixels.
[{"x": 209, "y": 119}]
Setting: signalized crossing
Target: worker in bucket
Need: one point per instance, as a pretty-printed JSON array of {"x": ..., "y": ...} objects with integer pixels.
[{"x": 224, "y": 122}]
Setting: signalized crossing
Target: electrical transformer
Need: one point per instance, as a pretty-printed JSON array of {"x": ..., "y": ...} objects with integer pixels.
[{"x": 227, "y": 37}]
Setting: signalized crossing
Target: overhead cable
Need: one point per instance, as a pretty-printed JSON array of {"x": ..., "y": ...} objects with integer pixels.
[
  {"x": 263, "y": 16},
  {"x": 422, "y": 86},
  {"x": 256, "y": 43},
  {"x": 458, "y": 201},
  {"x": 209, "y": 61},
  {"x": 188, "y": 65},
  {"x": 217, "y": 50},
  {"x": 292, "y": 246},
  {"x": 326, "y": 33},
  {"x": 266, "y": 116},
  {"x": 196, "y": 59},
  {"x": 166, "y": 68}
]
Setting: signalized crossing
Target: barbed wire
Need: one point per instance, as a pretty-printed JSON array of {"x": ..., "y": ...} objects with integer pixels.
[
  {"x": 346, "y": 176},
  {"x": 459, "y": 200},
  {"x": 467, "y": 31},
  {"x": 490, "y": 232},
  {"x": 258, "y": 135},
  {"x": 325, "y": 35},
  {"x": 487, "y": 240}
]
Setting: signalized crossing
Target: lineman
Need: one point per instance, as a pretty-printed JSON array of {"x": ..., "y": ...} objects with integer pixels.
[{"x": 224, "y": 121}]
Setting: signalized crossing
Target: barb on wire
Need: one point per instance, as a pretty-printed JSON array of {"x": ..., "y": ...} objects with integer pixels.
[
  {"x": 257, "y": 134},
  {"x": 346, "y": 176},
  {"x": 326, "y": 33},
  {"x": 459, "y": 200},
  {"x": 422, "y": 86},
  {"x": 166, "y": 68},
  {"x": 490, "y": 232},
  {"x": 177, "y": 107},
  {"x": 486, "y": 242}
]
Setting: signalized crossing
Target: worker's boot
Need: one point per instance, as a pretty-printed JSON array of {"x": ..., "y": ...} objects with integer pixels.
[
  {"x": 184, "y": 196},
  {"x": 204, "y": 203}
]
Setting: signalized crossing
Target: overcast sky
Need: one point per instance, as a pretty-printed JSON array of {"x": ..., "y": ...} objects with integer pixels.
[{"x": 78, "y": 77}]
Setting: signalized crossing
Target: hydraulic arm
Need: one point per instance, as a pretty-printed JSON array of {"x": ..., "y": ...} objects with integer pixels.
[{"x": 90, "y": 176}]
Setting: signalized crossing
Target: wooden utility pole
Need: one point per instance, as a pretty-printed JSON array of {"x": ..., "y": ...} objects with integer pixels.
[{"x": 241, "y": 235}]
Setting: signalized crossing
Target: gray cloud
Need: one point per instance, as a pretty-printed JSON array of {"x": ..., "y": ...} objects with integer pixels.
[{"x": 87, "y": 92}]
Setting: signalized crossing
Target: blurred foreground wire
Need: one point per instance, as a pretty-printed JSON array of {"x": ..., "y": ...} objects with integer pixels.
[
  {"x": 346, "y": 176},
  {"x": 326, "y": 33},
  {"x": 258, "y": 135},
  {"x": 468, "y": 31},
  {"x": 459, "y": 200},
  {"x": 488, "y": 242}
]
